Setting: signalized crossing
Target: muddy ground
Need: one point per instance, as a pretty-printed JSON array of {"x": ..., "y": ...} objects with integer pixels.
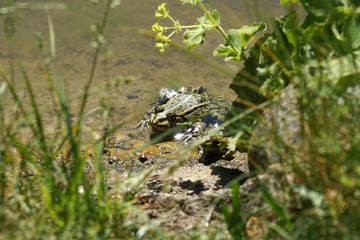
[
  {"x": 188, "y": 197},
  {"x": 182, "y": 193}
]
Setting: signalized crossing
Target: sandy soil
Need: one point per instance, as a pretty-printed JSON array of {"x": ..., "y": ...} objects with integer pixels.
[
  {"x": 187, "y": 198},
  {"x": 180, "y": 194}
]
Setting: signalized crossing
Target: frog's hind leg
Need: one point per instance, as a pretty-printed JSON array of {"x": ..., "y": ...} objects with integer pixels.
[
  {"x": 199, "y": 128},
  {"x": 197, "y": 90}
]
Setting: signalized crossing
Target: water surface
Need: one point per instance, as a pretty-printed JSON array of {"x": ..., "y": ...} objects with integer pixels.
[{"x": 129, "y": 52}]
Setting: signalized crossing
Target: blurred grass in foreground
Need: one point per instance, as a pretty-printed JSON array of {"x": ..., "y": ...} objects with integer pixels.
[
  {"x": 52, "y": 188},
  {"x": 56, "y": 190},
  {"x": 310, "y": 132}
]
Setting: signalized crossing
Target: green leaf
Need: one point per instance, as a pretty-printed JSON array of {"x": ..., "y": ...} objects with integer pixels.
[
  {"x": 197, "y": 36},
  {"x": 216, "y": 16},
  {"x": 239, "y": 39},
  {"x": 193, "y": 2},
  {"x": 283, "y": 2},
  {"x": 230, "y": 53},
  {"x": 194, "y": 37},
  {"x": 352, "y": 32},
  {"x": 224, "y": 50},
  {"x": 207, "y": 22}
]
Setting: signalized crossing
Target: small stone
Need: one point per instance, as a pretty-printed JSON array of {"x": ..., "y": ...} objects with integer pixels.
[
  {"x": 190, "y": 192},
  {"x": 131, "y": 96},
  {"x": 142, "y": 158}
]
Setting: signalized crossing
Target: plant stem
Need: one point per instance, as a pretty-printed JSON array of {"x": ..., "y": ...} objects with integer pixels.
[
  {"x": 171, "y": 34},
  {"x": 191, "y": 26},
  {"x": 218, "y": 27},
  {"x": 171, "y": 19}
]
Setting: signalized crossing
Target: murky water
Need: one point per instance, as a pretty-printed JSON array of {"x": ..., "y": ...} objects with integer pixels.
[{"x": 129, "y": 52}]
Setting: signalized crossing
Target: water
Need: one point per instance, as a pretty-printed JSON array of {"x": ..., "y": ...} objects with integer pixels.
[{"x": 129, "y": 52}]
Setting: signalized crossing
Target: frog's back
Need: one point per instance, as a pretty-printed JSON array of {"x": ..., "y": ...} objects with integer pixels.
[{"x": 187, "y": 107}]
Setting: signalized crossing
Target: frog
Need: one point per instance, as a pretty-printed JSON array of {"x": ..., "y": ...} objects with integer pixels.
[{"x": 190, "y": 110}]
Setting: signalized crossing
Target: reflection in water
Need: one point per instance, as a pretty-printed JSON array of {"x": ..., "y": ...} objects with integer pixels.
[{"x": 129, "y": 52}]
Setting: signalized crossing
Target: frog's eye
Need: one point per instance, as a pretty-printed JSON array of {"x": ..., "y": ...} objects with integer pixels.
[
  {"x": 171, "y": 117},
  {"x": 158, "y": 109}
]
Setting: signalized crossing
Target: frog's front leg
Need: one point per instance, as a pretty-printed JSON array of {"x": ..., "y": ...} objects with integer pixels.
[
  {"x": 193, "y": 131},
  {"x": 143, "y": 123}
]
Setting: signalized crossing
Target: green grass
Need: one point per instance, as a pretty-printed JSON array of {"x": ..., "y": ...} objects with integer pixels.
[
  {"x": 48, "y": 185},
  {"x": 319, "y": 56}
]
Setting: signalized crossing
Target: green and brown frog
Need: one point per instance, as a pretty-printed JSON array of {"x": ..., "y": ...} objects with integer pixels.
[{"x": 191, "y": 110}]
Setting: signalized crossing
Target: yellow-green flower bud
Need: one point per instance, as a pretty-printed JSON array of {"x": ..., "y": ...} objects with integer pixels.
[
  {"x": 161, "y": 8},
  {"x": 166, "y": 14},
  {"x": 161, "y": 38},
  {"x": 158, "y": 15},
  {"x": 157, "y": 28},
  {"x": 159, "y": 45}
]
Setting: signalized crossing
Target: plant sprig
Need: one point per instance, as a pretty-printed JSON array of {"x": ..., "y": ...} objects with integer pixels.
[{"x": 236, "y": 40}]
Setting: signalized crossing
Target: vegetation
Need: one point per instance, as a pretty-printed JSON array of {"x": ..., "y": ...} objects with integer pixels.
[
  {"x": 319, "y": 57},
  {"x": 47, "y": 185}
]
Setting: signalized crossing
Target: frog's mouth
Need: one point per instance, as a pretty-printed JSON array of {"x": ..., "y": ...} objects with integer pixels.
[
  {"x": 159, "y": 123},
  {"x": 159, "y": 128},
  {"x": 169, "y": 123}
]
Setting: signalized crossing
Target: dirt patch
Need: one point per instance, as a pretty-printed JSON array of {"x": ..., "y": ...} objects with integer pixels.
[
  {"x": 187, "y": 198},
  {"x": 181, "y": 194}
]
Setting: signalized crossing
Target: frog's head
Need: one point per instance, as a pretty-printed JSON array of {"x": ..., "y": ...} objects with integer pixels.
[{"x": 161, "y": 120}]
